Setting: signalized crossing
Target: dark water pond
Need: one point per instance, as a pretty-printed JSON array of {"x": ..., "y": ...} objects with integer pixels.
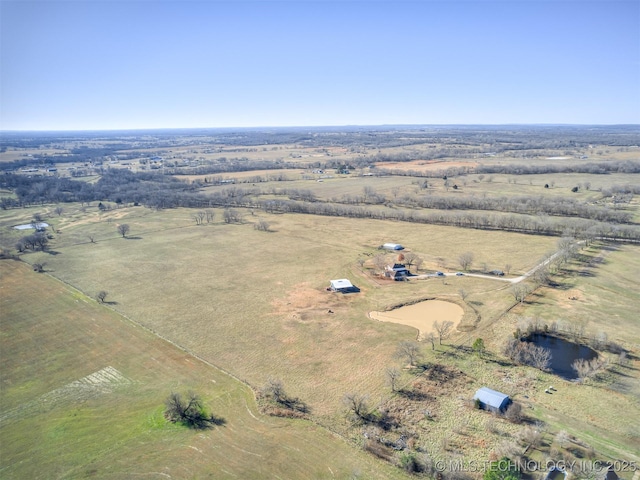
[{"x": 563, "y": 354}]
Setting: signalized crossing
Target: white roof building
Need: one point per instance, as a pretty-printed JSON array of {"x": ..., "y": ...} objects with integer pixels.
[{"x": 340, "y": 284}]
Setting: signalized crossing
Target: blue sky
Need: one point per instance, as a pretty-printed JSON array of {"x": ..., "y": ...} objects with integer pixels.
[{"x": 82, "y": 65}]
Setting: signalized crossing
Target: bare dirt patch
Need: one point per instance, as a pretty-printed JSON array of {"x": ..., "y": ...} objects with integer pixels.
[
  {"x": 422, "y": 315},
  {"x": 304, "y": 303},
  {"x": 424, "y": 165},
  {"x": 98, "y": 383}
]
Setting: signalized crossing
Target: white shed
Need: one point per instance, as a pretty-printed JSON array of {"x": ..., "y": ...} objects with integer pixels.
[
  {"x": 392, "y": 246},
  {"x": 343, "y": 285}
]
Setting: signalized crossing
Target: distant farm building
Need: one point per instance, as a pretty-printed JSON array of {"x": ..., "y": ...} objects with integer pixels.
[
  {"x": 392, "y": 246},
  {"x": 343, "y": 285},
  {"x": 492, "y": 400}
]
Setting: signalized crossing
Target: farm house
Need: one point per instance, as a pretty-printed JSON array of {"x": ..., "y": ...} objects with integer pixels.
[
  {"x": 398, "y": 271},
  {"x": 492, "y": 400}
]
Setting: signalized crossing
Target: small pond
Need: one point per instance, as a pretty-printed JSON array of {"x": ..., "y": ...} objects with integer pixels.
[
  {"x": 27, "y": 226},
  {"x": 563, "y": 353},
  {"x": 422, "y": 315}
]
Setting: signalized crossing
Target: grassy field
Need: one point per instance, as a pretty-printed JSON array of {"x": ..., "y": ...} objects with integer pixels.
[
  {"x": 598, "y": 291},
  {"x": 83, "y": 391},
  {"x": 256, "y": 304}
]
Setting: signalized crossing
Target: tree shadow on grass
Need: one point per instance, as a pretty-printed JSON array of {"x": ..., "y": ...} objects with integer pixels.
[
  {"x": 415, "y": 395},
  {"x": 133, "y": 238},
  {"x": 217, "y": 421}
]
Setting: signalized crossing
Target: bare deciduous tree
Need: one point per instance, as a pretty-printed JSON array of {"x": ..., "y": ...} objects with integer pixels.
[
  {"x": 411, "y": 258},
  {"x": 520, "y": 292},
  {"x": 540, "y": 357},
  {"x": 409, "y": 351},
  {"x": 231, "y": 215},
  {"x": 199, "y": 217},
  {"x": 380, "y": 262},
  {"x": 274, "y": 388},
  {"x": 123, "y": 229},
  {"x": 393, "y": 375},
  {"x": 588, "y": 368},
  {"x": 541, "y": 276},
  {"x": 463, "y": 293},
  {"x": 531, "y": 435},
  {"x": 58, "y": 210},
  {"x": 526, "y": 353},
  {"x": 262, "y": 226},
  {"x": 190, "y": 411},
  {"x": 514, "y": 413},
  {"x": 358, "y": 405},
  {"x": 101, "y": 296},
  {"x": 431, "y": 337},
  {"x": 443, "y": 328},
  {"x": 562, "y": 438},
  {"x": 465, "y": 260}
]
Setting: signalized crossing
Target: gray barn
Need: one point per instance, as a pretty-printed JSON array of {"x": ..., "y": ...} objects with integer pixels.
[{"x": 492, "y": 400}]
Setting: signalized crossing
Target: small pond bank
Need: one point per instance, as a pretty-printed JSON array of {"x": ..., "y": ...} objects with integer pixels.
[{"x": 563, "y": 353}]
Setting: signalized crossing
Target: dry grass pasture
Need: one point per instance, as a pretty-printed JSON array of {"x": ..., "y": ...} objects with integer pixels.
[
  {"x": 82, "y": 394},
  {"x": 255, "y": 303},
  {"x": 188, "y": 302}
]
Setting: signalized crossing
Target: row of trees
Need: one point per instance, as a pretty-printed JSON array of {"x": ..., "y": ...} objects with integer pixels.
[
  {"x": 579, "y": 228},
  {"x": 33, "y": 242},
  {"x": 531, "y": 205}
]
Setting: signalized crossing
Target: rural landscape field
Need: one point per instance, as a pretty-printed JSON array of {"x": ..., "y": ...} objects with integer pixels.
[{"x": 205, "y": 263}]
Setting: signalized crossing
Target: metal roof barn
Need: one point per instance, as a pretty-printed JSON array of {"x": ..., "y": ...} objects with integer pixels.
[
  {"x": 492, "y": 400},
  {"x": 340, "y": 284}
]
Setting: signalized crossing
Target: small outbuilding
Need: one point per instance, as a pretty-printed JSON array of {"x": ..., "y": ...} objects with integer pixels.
[
  {"x": 492, "y": 400},
  {"x": 342, "y": 285},
  {"x": 392, "y": 246}
]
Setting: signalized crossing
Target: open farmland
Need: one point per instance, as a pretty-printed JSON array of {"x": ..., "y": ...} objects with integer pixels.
[
  {"x": 269, "y": 289},
  {"x": 83, "y": 390},
  {"x": 229, "y": 258}
]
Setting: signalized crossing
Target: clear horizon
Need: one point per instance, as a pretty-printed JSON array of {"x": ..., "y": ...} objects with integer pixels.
[
  {"x": 162, "y": 65},
  {"x": 328, "y": 127}
]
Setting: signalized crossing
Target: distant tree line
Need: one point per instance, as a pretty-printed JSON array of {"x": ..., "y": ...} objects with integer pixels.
[
  {"x": 600, "y": 168},
  {"x": 580, "y": 228},
  {"x": 116, "y": 185},
  {"x": 158, "y": 191},
  {"x": 532, "y": 205},
  {"x": 224, "y": 165}
]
